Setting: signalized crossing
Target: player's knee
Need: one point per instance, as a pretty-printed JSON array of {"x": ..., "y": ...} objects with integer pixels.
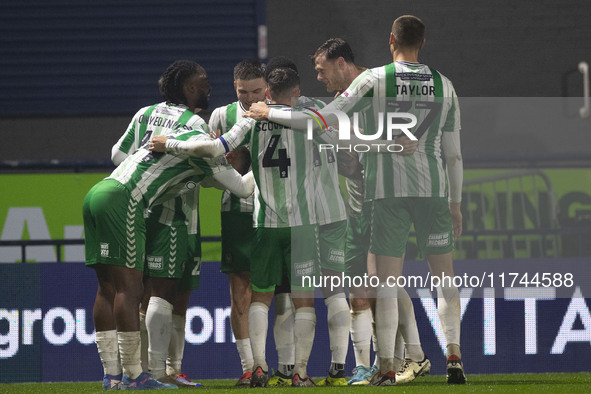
[{"x": 358, "y": 305}]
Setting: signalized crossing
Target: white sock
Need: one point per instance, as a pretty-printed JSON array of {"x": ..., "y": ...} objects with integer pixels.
[
  {"x": 129, "y": 351},
  {"x": 304, "y": 329},
  {"x": 258, "y": 324},
  {"x": 108, "y": 350},
  {"x": 176, "y": 348},
  {"x": 361, "y": 336},
  {"x": 407, "y": 325},
  {"x": 448, "y": 308},
  {"x": 159, "y": 324},
  {"x": 245, "y": 353},
  {"x": 386, "y": 325},
  {"x": 283, "y": 331},
  {"x": 399, "y": 348},
  {"x": 339, "y": 325},
  {"x": 143, "y": 342},
  {"x": 374, "y": 339}
]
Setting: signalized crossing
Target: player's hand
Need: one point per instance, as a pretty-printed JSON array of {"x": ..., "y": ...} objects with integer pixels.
[
  {"x": 348, "y": 165},
  {"x": 215, "y": 134},
  {"x": 158, "y": 143},
  {"x": 258, "y": 111},
  {"x": 456, "y": 218},
  {"x": 239, "y": 159},
  {"x": 408, "y": 146}
]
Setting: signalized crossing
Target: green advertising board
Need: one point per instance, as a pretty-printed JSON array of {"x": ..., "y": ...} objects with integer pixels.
[{"x": 49, "y": 206}]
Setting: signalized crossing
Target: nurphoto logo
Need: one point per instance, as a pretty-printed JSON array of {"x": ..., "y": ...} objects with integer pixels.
[{"x": 396, "y": 124}]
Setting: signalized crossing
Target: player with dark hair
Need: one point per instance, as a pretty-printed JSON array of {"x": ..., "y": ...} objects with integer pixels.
[
  {"x": 172, "y": 238},
  {"x": 237, "y": 229},
  {"x": 114, "y": 225},
  {"x": 408, "y": 190},
  {"x": 331, "y": 217},
  {"x": 284, "y": 217},
  {"x": 336, "y": 69}
]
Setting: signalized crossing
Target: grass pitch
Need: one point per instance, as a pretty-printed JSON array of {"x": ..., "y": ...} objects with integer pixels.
[{"x": 509, "y": 383}]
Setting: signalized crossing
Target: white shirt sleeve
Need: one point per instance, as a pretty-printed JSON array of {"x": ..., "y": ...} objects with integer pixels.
[
  {"x": 242, "y": 186},
  {"x": 450, "y": 143},
  {"x": 204, "y": 147}
]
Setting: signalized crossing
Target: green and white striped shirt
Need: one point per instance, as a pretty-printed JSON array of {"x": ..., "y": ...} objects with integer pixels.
[
  {"x": 330, "y": 205},
  {"x": 430, "y": 96},
  {"x": 283, "y": 169},
  {"x": 223, "y": 118},
  {"x": 158, "y": 177},
  {"x": 163, "y": 118}
]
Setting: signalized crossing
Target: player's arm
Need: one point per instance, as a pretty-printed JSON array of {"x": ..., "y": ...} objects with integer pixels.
[
  {"x": 450, "y": 144},
  {"x": 126, "y": 145},
  {"x": 215, "y": 123},
  {"x": 343, "y": 104},
  {"x": 455, "y": 173},
  {"x": 204, "y": 147},
  {"x": 240, "y": 185}
]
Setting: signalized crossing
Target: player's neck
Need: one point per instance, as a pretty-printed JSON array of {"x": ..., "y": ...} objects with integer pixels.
[
  {"x": 406, "y": 55},
  {"x": 283, "y": 101},
  {"x": 351, "y": 73}
]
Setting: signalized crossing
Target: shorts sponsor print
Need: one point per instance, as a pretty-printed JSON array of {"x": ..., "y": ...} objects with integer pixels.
[{"x": 331, "y": 240}]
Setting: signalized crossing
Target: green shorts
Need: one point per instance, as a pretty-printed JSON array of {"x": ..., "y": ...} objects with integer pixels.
[
  {"x": 192, "y": 272},
  {"x": 357, "y": 242},
  {"x": 114, "y": 227},
  {"x": 331, "y": 242},
  {"x": 287, "y": 250},
  {"x": 392, "y": 218},
  {"x": 237, "y": 239},
  {"x": 173, "y": 253}
]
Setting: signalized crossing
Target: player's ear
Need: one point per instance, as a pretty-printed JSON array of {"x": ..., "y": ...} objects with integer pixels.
[
  {"x": 392, "y": 40},
  {"x": 191, "y": 85},
  {"x": 188, "y": 90},
  {"x": 423, "y": 43},
  {"x": 268, "y": 94},
  {"x": 234, "y": 85}
]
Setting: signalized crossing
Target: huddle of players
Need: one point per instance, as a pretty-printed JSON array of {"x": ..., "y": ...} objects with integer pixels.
[
  {"x": 400, "y": 190},
  {"x": 145, "y": 214},
  {"x": 296, "y": 204}
]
